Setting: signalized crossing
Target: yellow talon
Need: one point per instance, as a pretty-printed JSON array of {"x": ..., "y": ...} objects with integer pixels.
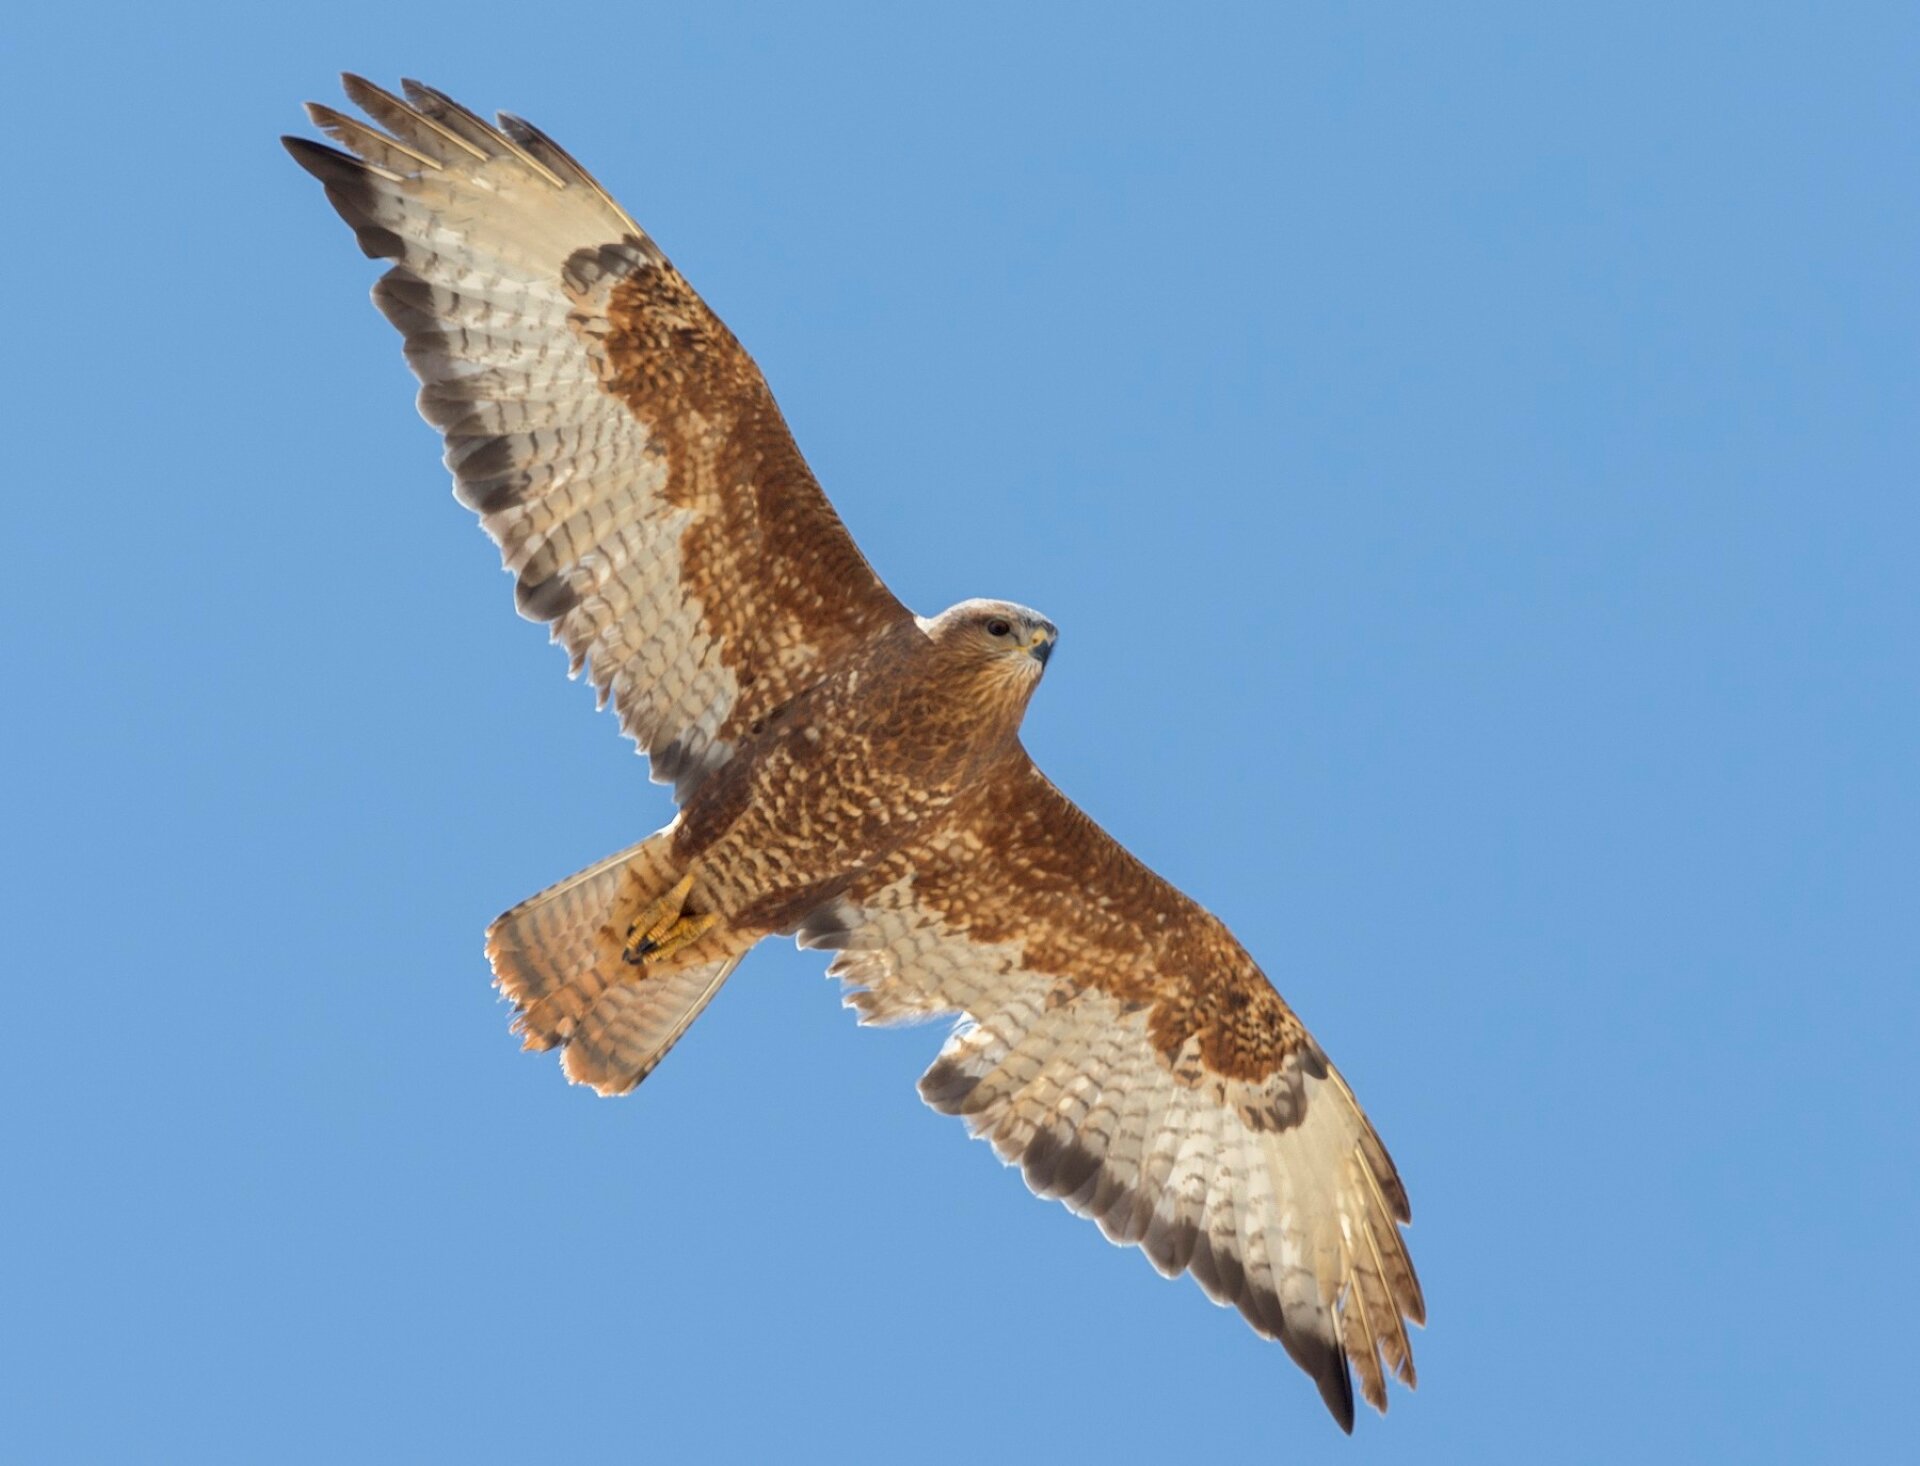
[
  {"x": 685, "y": 932},
  {"x": 659, "y": 918},
  {"x": 661, "y": 929}
]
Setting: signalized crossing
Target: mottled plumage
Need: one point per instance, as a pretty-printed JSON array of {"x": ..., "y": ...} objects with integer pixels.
[{"x": 847, "y": 773}]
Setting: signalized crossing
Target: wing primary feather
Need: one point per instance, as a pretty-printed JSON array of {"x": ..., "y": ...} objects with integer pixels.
[
  {"x": 1385, "y": 1175},
  {"x": 1415, "y": 1301},
  {"x": 1373, "y": 1383},
  {"x": 405, "y": 122},
  {"x": 443, "y": 109},
  {"x": 347, "y": 182},
  {"x": 367, "y": 142},
  {"x": 331, "y": 165},
  {"x": 560, "y": 161},
  {"x": 1401, "y": 1355},
  {"x": 1331, "y": 1372}
]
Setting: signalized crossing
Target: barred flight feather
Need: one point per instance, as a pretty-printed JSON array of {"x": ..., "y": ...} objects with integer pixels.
[
  {"x": 1270, "y": 1189},
  {"x": 527, "y": 301}
]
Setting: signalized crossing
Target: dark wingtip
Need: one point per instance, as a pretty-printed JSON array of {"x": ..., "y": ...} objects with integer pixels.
[
  {"x": 329, "y": 165},
  {"x": 946, "y": 1086},
  {"x": 347, "y": 181},
  {"x": 301, "y": 149},
  {"x": 545, "y": 600},
  {"x": 1326, "y": 1362},
  {"x": 1336, "y": 1388}
]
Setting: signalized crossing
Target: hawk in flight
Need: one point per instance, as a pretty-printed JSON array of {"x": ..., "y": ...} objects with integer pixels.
[{"x": 847, "y": 772}]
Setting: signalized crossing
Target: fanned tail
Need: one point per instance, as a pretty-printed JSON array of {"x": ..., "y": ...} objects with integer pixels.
[{"x": 558, "y": 958}]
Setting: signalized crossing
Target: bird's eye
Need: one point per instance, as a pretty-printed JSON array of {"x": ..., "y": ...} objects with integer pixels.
[{"x": 998, "y": 627}]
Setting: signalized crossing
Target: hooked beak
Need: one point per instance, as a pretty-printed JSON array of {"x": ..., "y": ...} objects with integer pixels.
[{"x": 1042, "y": 647}]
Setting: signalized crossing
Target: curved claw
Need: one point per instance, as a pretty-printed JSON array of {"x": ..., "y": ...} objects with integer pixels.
[{"x": 662, "y": 927}]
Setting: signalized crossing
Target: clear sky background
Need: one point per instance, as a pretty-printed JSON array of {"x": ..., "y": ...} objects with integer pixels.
[{"x": 1471, "y": 453}]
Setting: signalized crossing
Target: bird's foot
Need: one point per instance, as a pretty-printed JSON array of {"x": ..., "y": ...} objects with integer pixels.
[{"x": 663, "y": 927}]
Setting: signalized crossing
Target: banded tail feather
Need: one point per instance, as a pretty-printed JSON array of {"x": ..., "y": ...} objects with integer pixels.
[{"x": 559, "y": 958}]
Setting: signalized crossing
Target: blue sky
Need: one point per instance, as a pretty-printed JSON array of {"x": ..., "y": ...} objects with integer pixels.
[{"x": 1472, "y": 459}]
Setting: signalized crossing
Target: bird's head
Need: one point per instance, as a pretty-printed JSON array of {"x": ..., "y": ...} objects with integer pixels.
[{"x": 1004, "y": 645}]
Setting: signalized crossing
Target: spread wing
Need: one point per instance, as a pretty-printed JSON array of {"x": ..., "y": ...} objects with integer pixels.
[
  {"x": 1125, "y": 1051},
  {"x": 616, "y": 441}
]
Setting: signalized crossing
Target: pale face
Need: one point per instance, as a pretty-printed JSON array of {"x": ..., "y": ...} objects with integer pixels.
[{"x": 1015, "y": 636}]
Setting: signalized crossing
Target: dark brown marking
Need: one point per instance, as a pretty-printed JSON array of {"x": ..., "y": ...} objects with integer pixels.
[{"x": 769, "y": 559}]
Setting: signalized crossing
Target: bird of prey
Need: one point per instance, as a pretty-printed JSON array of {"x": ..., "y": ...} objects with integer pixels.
[{"x": 846, "y": 772}]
